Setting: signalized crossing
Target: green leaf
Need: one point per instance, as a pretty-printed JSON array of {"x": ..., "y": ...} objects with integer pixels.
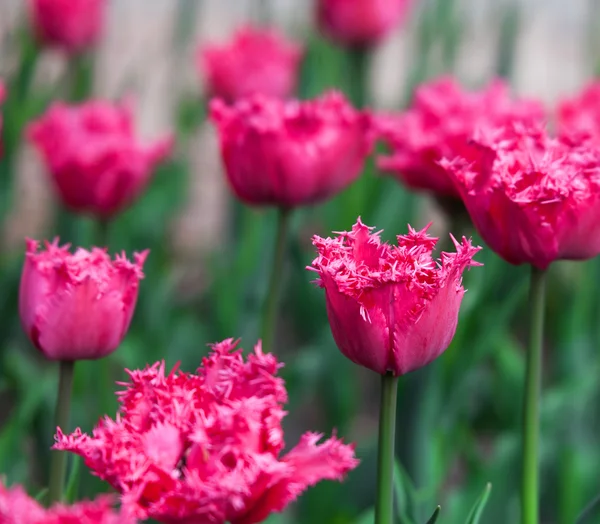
[
  {"x": 479, "y": 506},
  {"x": 405, "y": 493},
  {"x": 435, "y": 515},
  {"x": 41, "y": 495},
  {"x": 71, "y": 491},
  {"x": 590, "y": 510},
  {"x": 367, "y": 517}
]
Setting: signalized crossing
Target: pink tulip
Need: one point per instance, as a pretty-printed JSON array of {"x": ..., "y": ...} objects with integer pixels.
[
  {"x": 72, "y": 25},
  {"x": 580, "y": 114},
  {"x": 77, "y": 306},
  {"x": 256, "y": 60},
  {"x": 17, "y": 507},
  {"x": 207, "y": 446},
  {"x": 291, "y": 153},
  {"x": 96, "y": 161},
  {"x": 439, "y": 123},
  {"x": 360, "y": 22},
  {"x": 533, "y": 199},
  {"x": 391, "y": 308}
]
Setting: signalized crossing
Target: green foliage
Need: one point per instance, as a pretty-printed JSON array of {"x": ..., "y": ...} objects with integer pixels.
[{"x": 459, "y": 433}]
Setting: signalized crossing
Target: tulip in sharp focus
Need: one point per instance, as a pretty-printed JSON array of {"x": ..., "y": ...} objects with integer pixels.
[
  {"x": 257, "y": 60},
  {"x": 97, "y": 163},
  {"x": 440, "y": 121},
  {"x": 291, "y": 153},
  {"x": 77, "y": 306},
  {"x": 206, "y": 447},
  {"x": 580, "y": 114},
  {"x": 391, "y": 308},
  {"x": 360, "y": 22},
  {"x": 17, "y": 507},
  {"x": 72, "y": 25},
  {"x": 534, "y": 199}
]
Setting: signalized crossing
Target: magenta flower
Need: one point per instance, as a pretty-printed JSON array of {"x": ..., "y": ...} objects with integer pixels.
[
  {"x": 77, "y": 306},
  {"x": 72, "y": 25},
  {"x": 16, "y": 507},
  {"x": 256, "y": 60},
  {"x": 96, "y": 161},
  {"x": 534, "y": 199},
  {"x": 360, "y": 22},
  {"x": 391, "y": 308},
  {"x": 580, "y": 114},
  {"x": 205, "y": 447},
  {"x": 439, "y": 123},
  {"x": 291, "y": 153}
]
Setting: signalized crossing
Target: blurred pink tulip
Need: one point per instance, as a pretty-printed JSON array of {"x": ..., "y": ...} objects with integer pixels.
[
  {"x": 256, "y": 60},
  {"x": 77, "y": 306},
  {"x": 291, "y": 153}
]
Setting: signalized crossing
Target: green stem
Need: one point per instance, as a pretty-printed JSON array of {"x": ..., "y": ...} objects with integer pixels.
[
  {"x": 359, "y": 58},
  {"x": 384, "y": 505},
  {"x": 103, "y": 233},
  {"x": 272, "y": 301},
  {"x": 58, "y": 461},
  {"x": 531, "y": 401}
]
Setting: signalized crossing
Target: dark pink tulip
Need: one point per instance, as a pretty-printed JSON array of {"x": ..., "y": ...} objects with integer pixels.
[
  {"x": 534, "y": 199},
  {"x": 96, "y": 161},
  {"x": 580, "y": 114},
  {"x": 207, "y": 447},
  {"x": 71, "y": 25},
  {"x": 77, "y": 306},
  {"x": 17, "y": 507},
  {"x": 291, "y": 153},
  {"x": 440, "y": 121},
  {"x": 391, "y": 308},
  {"x": 256, "y": 60},
  {"x": 360, "y": 22}
]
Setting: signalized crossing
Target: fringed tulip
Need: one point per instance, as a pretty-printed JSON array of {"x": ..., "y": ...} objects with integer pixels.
[
  {"x": 533, "y": 199},
  {"x": 17, "y": 507},
  {"x": 391, "y": 308},
  {"x": 96, "y": 161},
  {"x": 77, "y": 306},
  {"x": 71, "y": 25},
  {"x": 257, "y": 60},
  {"x": 442, "y": 118},
  {"x": 360, "y": 23},
  {"x": 206, "y": 447},
  {"x": 294, "y": 153},
  {"x": 581, "y": 113}
]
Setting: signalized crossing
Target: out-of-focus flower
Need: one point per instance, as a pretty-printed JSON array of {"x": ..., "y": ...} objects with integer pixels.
[
  {"x": 72, "y": 25},
  {"x": 256, "y": 60},
  {"x": 439, "y": 123},
  {"x": 77, "y": 306},
  {"x": 360, "y": 22},
  {"x": 17, "y": 507},
  {"x": 97, "y": 162},
  {"x": 581, "y": 114},
  {"x": 291, "y": 153},
  {"x": 534, "y": 199},
  {"x": 205, "y": 447},
  {"x": 391, "y": 308}
]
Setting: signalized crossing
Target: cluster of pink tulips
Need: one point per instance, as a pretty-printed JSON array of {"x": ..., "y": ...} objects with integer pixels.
[{"x": 207, "y": 446}]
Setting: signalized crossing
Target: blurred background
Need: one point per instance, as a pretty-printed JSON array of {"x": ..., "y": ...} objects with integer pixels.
[{"x": 210, "y": 256}]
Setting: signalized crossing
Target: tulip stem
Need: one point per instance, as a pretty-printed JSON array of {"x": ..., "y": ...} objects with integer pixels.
[
  {"x": 58, "y": 461},
  {"x": 359, "y": 58},
  {"x": 269, "y": 323},
  {"x": 531, "y": 400},
  {"x": 384, "y": 506}
]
